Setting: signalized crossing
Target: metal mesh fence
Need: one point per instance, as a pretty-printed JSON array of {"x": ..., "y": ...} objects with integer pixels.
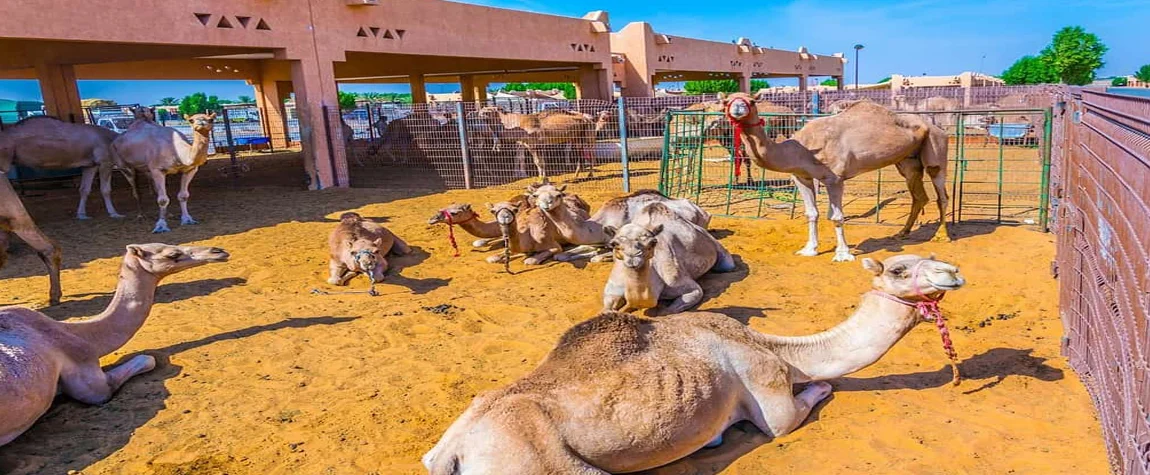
[
  {"x": 1103, "y": 261},
  {"x": 996, "y": 170}
]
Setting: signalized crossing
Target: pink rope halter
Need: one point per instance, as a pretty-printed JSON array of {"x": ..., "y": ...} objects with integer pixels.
[{"x": 930, "y": 310}]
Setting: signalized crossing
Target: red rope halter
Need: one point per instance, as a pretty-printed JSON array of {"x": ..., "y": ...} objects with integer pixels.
[
  {"x": 929, "y": 309},
  {"x": 451, "y": 230},
  {"x": 738, "y": 126}
]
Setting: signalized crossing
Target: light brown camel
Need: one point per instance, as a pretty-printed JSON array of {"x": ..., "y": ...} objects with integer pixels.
[
  {"x": 621, "y": 394},
  {"x": 41, "y": 357},
  {"x": 51, "y": 144},
  {"x": 660, "y": 256},
  {"x": 361, "y": 246},
  {"x": 14, "y": 218},
  {"x": 528, "y": 233},
  {"x": 862, "y": 138},
  {"x": 575, "y": 226},
  {"x": 163, "y": 151},
  {"x": 544, "y": 128},
  {"x": 488, "y": 232}
]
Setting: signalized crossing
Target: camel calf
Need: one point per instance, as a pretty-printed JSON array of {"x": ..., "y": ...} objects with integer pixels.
[
  {"x": 659, "y": 255},
  {"x": 358, "y": 246}
]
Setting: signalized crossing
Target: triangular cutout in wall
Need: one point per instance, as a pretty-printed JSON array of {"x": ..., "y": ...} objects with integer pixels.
[
  {"x": 374, "y": 30},
  {"x": 387, "y": 35},
  {"x": 262, "y": 26},
  {"x": 224, "y": 23},
  {"x": 204, "y": 18},
  {"x": 400, "y": 33},
  {"x": 361, "y": 33},
  {"x": 244, "y": 20}
]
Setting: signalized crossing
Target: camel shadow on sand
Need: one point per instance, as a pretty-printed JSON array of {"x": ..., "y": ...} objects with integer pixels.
[
  {"x": 72, "y": 436},
  {"x": 989, "y": 368},
  {"x": 922, "y": 235},
  {"x": 417, "y": 286},
  {"x": 166, "y": 293}
]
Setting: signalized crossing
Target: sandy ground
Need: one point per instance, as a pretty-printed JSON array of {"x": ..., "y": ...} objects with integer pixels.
[{"x": 258, "y": 375}]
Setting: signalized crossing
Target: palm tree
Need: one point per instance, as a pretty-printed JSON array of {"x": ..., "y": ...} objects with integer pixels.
[
  {"x": 169, "y": 101},
  {"x": 245, "y": 99}
]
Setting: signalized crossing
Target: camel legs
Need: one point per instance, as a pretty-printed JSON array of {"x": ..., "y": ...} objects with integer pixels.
[
  {"x": 159, "y": 180},
  {"x": 806, "y": 187},
  {"x": 688, "y": 300},
  {"x": 538, "y": 162},
  {"x": 89, "y": 384},
  {"x": 337, "y": 272},
  {"x": 540, "y": 257},
  {"x": 185, "y": 181},
  {"x": 911, "y": 169},
  {"x": 400, "y": 248},
  {"x": 938, "y": 178},
  {"x": 14, "y": 217},
  {"x": 88, "y": 175},
  {"x": 835, "y": 196},
  {"x": 779, "y": 413},
  {"x": 106, "y": 173}
]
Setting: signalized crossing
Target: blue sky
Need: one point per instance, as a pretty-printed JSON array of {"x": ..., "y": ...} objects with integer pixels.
[{"x": 909, "y": 37}]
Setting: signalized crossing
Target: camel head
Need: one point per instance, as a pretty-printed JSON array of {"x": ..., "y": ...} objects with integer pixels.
[
  {"x": 365, "y": 254},
  {"x": 633, "y": 244},
  {"x": 739, "y": 106},
  {"x": 144, "y": 113},
  {"x": 504, "y": 211},
  {"x": 546, "y": 196},
  {"x": 913, "y": 278},
  {"x": 458, "y": 212},
  {"x": 162, "y": 260},
  {"x": 202, "y": 123}
]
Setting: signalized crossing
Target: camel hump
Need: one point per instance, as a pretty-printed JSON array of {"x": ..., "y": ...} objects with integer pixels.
[
  {"x": 607, "y": 337},
  {"x": 658, "y": 209},
  {"x": 646, "y": 191},
  {"x": 350, "y": 218}
]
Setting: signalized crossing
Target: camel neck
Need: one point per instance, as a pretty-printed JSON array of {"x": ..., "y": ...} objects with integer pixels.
[
  {"x": 575, "y": 227},
  {"x": 130, "y": 306},
  {"x": 758, "y": 145},
  {"x": 852, "y": 345},
  {"x": 642, "y": 289},
  {"x": 198, "y": 150},
  {"x": 478, "y": 228}
]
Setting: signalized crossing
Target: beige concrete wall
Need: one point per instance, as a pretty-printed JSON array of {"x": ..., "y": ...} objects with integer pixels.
[{"x": 651, "y": 56}]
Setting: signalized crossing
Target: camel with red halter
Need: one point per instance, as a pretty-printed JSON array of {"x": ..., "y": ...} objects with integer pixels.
[{"x": 864, "y": 137}]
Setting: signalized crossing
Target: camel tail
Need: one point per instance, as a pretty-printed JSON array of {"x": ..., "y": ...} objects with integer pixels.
[{"x": 350, "y": 218}]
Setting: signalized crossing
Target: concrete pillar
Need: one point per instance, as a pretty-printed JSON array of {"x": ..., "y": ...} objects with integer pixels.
[
  {"x": 840, "y": 82},
  {"x": 315, "y": 94},
  {"x": 467, "y": 87},
  {"x": 418, "y": 89},
  {"x": 803, "y": 83},
  {"x": 58, "y": 88},
  {"x": 270, "y": 96},
  {"x": 480, "y": 90},
  {"x": 594, "y": 83},
  {"x": 744, "y": 83}
]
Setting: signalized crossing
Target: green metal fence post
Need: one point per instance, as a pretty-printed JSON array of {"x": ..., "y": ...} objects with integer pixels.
[
  {"x": 1044, "y": 198},
  {"x": 666, "y": 154},
  {"x": 623, "y": 145}
]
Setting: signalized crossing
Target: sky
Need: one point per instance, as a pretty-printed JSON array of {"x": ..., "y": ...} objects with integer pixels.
[{"x": 909, "y": 37}]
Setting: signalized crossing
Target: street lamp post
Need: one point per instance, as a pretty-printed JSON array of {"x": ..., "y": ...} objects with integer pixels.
[{"x": 857, "y": 48}]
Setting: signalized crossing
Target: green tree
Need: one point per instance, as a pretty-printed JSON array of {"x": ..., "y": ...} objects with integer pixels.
[
  {"x": 198, "y": 103},
  {"x": 567, "y": 88},
  {"x": 1074, "y": 55},
  {"x": 711, "y": 86},
  {"x": 169, "y": 101},
  {"x": 757, "y": 84},
  {"x": 1143, "y": 73},
  {"x": 829, "y": 82},
  {"x": 1119, "y": 81},
  {"x": 1029, "y": 70},
  {"x": 245, "y": 99},
  {"x": 884, "y": 80},
  {"x": 346, "y": 100}
]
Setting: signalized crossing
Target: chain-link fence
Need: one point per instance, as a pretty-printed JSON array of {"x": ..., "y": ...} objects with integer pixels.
[{"x": 1101, "y": 188}]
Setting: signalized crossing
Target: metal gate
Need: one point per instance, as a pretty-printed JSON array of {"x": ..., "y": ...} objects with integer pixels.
[{"x": 998, "y": 169}]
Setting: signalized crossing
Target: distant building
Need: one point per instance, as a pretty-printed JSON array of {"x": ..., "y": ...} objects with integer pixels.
[{"x": 12, "y": 111}]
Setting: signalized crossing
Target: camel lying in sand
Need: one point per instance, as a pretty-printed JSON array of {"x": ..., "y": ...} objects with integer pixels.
[
  {"x": 360, "y": 246},
  {"x": 862, "y": 138},
  {"x": 488, "y": 232},
  {"x": 660, "y": 256},
  {"x": 622, "y": 394},
  {"x": 528, "y": 232},
  {"x": 163, "y": 151},
  {"x": 575, "y": 226},
  {"x": 41, "y": 357},
  {"x": 51, "y": 144}
]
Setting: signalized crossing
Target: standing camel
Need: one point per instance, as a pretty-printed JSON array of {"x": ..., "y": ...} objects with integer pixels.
[
  {"x": 864, "y": 137},
  {"x": 42, "y": 357},
  {"x": 545, "y": 128},
  {"x": 51, "y": 144},
  {"x": 163, "y": 151},
  {"x": 14, "y": 218},
  {"x": 621, "y": 394}
]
